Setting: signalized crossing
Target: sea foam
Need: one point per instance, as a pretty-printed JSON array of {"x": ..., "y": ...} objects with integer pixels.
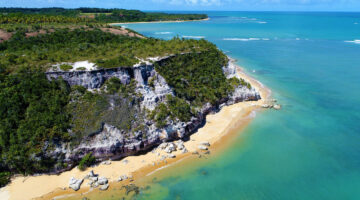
[
  {"x": 163, "y": 33},
  {"x": 354, "y": 41}
]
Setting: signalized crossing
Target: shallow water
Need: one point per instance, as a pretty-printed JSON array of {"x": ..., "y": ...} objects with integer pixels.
[{"x": 308, "y": 150}]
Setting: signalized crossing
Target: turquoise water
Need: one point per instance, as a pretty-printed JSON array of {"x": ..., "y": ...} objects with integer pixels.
[{"x": 308, "y": 150}]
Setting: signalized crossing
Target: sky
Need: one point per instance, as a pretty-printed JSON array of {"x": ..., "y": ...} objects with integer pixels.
[{"x": 196, "y": 5}]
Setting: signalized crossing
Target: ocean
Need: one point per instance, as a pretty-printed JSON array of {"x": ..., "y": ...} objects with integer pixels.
[{"x": 308, "y": 150}]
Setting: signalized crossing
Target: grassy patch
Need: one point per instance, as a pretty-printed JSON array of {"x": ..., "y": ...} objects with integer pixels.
[
  {"x": 86, "y": 161},
  {"x": 66, "y": 67}
]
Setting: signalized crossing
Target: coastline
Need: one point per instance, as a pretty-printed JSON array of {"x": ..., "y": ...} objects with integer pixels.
[
  {"x": 217, "y": 127},
  {"x": 179, "y": 21}
]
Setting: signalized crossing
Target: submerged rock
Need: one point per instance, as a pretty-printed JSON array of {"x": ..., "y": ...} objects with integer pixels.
[{"x": 277, "y": 107}]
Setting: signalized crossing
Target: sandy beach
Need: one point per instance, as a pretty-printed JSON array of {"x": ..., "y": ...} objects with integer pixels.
[
  {"x": 216, "y": 128},
  {"x": 180, "y": 21}
]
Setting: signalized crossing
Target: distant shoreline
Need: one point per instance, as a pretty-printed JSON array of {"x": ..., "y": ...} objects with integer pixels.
[
  {"x": 179, "y": 21},
  {"x": 217, "y": 131}
]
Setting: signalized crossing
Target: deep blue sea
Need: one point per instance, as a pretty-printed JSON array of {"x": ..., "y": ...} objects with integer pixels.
[{"x": 310, "y": 150}]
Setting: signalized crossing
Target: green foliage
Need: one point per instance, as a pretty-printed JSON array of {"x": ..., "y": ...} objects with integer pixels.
[
  {"x": 151, "y": 82},
  {"x": 121, "y": 15},
  {"x": 65, "y": 67},
  {"x": 32, "y": 117},
  {"x": 179, "y": 108},
  {"x": 197, "y": 77},
  {"x": 61, "y": 15},
  {"x": 4, "y": 178},
  {"x": 160, "y": 114},
  {"x": 20, "y": 18},
  {"x": 175, "y": 108},
  {"x": 106, "y": 49},
  {"x": 113, "y": 85},
  {"x": 244, "y": 83},
  {"x": 234, "y": 82},
  {"x": 118, "y": 107},
  {"x": 116, "y": 62},
  {"x": 86, "y": 161}
]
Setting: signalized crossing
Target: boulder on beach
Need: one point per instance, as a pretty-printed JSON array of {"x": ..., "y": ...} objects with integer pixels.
[
  {"x": 170, "y": 148},
  {"x": 104, "y": 187},
  {"x": 163, "y": 145},
  {"x": 94, "y": 178},
  {"x": 103, "y": 181},
  {"x": 124, "y": 177},
  {"x": 202, "y": 147},
  {"x": 184, "y": 150},
  {"x": 171, "y": 156},
  {"x": 95, "y": 185},
  {"x": 75, "y": 183},
  {"x": 204, "y": 143},
  {"x": 106, "y": 162},
  {"x": 179, "y": 145},
  {"x": 91, "y": 173}
]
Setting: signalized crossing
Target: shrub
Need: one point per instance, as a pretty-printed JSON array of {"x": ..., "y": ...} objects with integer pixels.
[
  {"x": 65, "y": 67},
  {"x": 4, "y": 178},
  {"x": 86, "y": 161}
]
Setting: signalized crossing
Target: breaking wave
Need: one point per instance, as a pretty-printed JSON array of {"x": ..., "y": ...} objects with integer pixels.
[{"x": 354, "y": 41}]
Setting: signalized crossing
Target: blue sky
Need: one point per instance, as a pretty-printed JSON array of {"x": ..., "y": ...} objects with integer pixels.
[{"x": 261, "y": 5}]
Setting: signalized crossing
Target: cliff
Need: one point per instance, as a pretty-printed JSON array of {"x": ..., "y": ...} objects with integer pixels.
[{"x": 112, "y": 143}]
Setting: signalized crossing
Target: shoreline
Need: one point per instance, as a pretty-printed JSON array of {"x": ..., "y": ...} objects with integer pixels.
[
  {"x": 217, "y": 128},
  {"x": 179, "y": 21}
]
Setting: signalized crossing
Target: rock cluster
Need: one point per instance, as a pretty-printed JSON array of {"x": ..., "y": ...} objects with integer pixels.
[
  {"x": 94, "y": 182},
  {"x": 272, "y": 104},
  {"x": 169, "y": 147}
]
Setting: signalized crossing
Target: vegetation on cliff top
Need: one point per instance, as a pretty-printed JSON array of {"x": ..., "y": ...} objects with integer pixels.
[{"x": 106, "y": 49}]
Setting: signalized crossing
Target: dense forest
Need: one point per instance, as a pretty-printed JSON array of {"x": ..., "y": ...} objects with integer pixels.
[
  {"x": 106, "y": 49},
  {"x": 61, "y": 15}
]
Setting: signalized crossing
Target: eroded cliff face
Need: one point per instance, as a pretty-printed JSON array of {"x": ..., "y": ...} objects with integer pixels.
[{"x": 112, "y": 143}]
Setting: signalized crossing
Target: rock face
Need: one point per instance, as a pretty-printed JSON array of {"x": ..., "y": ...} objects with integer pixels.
[
  {"x": 111, "y": 143},
  {"x": 92, "y": 79}
]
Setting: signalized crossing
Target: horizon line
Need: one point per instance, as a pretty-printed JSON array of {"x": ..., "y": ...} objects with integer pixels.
[{"x": 165, "y": 10}]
